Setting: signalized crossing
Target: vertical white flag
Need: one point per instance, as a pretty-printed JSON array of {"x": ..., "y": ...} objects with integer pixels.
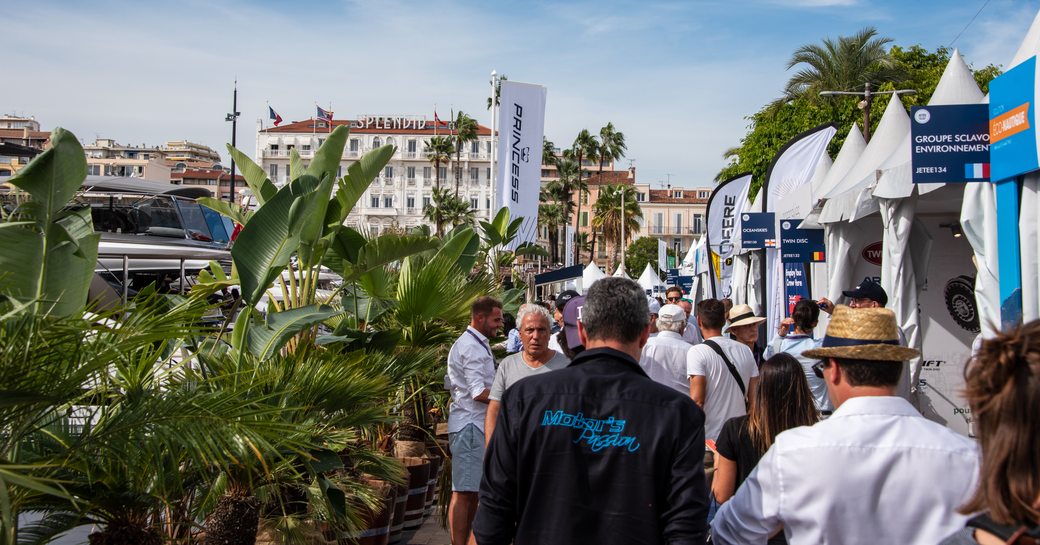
[
  {"x": 662, "y": 255},
  {"x": 726, "y": 204},
  {"x": 521, "y": 128},
  {"x": 568, "y": 259}
]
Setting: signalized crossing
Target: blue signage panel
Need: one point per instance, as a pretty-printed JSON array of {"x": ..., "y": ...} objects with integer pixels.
[
  {"x": 758, "y": 230},
  {"x": 800, "y": 245},
  {"x": 1012, "y": 122},
  {"x": 686, "y": 283},
  {"x": 950, "y": 144},
  {"x": 672, "y": 277},
  {"x": 796, "y": 285}
]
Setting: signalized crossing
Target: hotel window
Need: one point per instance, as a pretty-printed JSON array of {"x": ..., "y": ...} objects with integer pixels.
[
  {"x": 678, "y": 222},
  {"x": 677, "y": 194},
  {"x": 388, "y": 202},
  {"x": 698, "y": 223},
  {"x": 489, "y": 173},
  {"x": 442, "y": 172},
  {"x": 411, "y": 146},
  {"x": 305, "y": 147},
  {"x": 375, "y": 201},
  {"x": 376, "y": 142},
  {"x": 703, "y": 194},
  {"x": 473, "y": 203},
  {"x": 425, "y": 202},
  {"x": 274, "y": 172},
  {"x": 474, "y": 147},
  {"x": 389, "y": 141},
  {"x": 546, "y": 173},
  {"x": 474, "y": 174},
  {"x": 487, "y": 203},
  {"x": 354, "y": 144},
  {"x": 411, "y": 202},
  {"x": 640, "y": 197},
  {"x": 388, "y": 172},
  {"x": 410, "y": 171},
  {"x": 274, "y": 147},
  {"x": 488, "y": 148},
  {"x": 584, "y": 219},
  {"x": 658, "y": 226}
]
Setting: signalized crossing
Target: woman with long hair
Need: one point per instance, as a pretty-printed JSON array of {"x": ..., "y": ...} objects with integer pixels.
[
  {"x": 1002, "y": 386},
  {"x": 782, "y": 401}
]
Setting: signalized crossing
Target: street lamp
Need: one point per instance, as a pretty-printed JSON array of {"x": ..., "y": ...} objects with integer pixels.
[
  {"x": 233, "y": 118},
  {"x": 864, "y": 104}
]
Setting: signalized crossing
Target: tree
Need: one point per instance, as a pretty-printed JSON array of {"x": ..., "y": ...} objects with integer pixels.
[
  {"x": 608, "y": 215},
  {"x": 438, "y": 150},
  {"x": 465, "y": 131},
  {"x": 779, "y": 121},
  {"x": 585, "y": 148},
  {"x": 498, "y": 92},
  {"x": 551, "y": 216},
  {"x": 437, "y": 210},
  {"x": 612, "y": 145},
  {"x": 843, "y": 65},
  {"x": 548, "y": 152},
  {"x": 644, "y": 251}
]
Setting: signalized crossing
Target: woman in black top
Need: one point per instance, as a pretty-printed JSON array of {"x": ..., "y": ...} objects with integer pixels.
[{"x": 782, "y": 401}]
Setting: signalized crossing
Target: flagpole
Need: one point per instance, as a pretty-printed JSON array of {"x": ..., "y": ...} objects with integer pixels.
[
  {"x": 494, "y": 132},
  {"x": 331, "y": 115},
  {"x": 622, "y": 225}
]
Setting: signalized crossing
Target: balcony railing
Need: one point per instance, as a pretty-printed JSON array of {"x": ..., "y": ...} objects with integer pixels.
[
  {"x": 657, "y": 229},
  {"x": 410, "y": 154},
  {"x": 411, "y": 181},
  {"x": 677, "y": 231},
  {"x": 352, "y": 154}
]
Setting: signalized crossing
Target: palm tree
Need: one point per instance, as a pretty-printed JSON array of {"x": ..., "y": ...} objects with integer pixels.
[
  {"x": 551, "y": 215},
  {"x": 548, "y": 152},
  {"x": 436, "y": 211},
  {"x": 585, "y": 148},
  {"x": 612, "y": 145},
  {"x": 438, "y": 150},
  {"x": 842, "y": 65},
  {"x": 608, "y": 215},
  {"x": 465, "y": 131}
]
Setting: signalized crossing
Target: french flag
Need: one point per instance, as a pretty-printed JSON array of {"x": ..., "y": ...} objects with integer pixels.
[
  {"x": 274, "y": 115},
  {"x": 976, "y": 171}
]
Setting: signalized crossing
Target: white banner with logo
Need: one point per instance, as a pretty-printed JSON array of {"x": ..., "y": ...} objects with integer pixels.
[
  {"x": 521, "y": 128},
  {"x": 727, "y": 203},
  {"x": 568, "y": 258},
  {"x": 789, "y": 176},
  {"x": 662, "y": 255}
]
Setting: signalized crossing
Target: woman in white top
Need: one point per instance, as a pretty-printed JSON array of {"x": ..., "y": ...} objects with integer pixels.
[{"x": 803, "y": 320}]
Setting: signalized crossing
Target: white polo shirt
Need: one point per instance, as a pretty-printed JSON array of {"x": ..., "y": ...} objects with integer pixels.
[
  {"x": 723, "y": 399},
  {"x": 664, "y": 360},
  {"x": 471, "y": 370}
]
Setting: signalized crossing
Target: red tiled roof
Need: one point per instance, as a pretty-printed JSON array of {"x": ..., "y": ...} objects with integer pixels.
[
  {"x": 665, "y": 196},
  {"x": 613, "y": 177},
  {"x": 309, "y": 126},
  {"x": 19, "y": 133},
  {"x": 196, "y": 174}
]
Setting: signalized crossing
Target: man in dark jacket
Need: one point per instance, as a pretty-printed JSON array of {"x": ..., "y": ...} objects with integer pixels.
[{"x": 596, "y": 453}]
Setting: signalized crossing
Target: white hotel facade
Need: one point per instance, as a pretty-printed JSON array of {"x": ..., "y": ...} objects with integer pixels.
[{"x": 395, "y": 198}]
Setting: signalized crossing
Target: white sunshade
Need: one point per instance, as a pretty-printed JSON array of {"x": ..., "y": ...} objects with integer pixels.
[
  {"x": 620, "y": 272},
  {"x": 852, "y": 192},
  {"x": 591, "y": 275},
  {"x": 649, "y": 279},
  {"x": 956, "y": 86}
]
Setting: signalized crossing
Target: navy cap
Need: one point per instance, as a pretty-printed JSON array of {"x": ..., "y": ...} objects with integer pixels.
[
  {"x": 564, "y": 297},
  {"x": 868, "y": 290}
]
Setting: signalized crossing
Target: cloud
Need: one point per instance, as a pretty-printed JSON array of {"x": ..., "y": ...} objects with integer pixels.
[{"x": 816, "y": 3}]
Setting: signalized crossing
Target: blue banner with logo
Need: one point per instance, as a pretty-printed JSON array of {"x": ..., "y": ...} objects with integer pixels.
[
  {"x": 686, "y": 283},
  {"x": 758, "y": 230},
  {"x": 796, "y": 285},
  {"x": 950, "y": 144},
  {"x": 800, "y": 245},
  {"x": 672, "y": 277},
  {"x": 1012, "y": 122}
]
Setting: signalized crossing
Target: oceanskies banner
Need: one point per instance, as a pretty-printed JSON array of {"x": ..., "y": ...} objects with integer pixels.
[
  {"x": 727, "y": 203},
  {"x": 521, "y": 128}
]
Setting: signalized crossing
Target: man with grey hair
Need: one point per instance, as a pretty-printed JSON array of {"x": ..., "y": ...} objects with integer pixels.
[
  {"x": 535, "y": 358},
  {"x": 596, "y": 452},
  {"x": 664, "y": 356}
]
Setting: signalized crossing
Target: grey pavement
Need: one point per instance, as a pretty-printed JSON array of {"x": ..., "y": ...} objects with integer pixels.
[{"x": 430, "y": 533}]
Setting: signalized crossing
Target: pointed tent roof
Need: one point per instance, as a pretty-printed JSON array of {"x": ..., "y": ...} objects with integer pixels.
[
  {"x": 956, "y": 86},
  {"x": 846, "y": 199},
  {"x": 620, "y": 272},
  {"x": 590, "y": 275},
  {"x": 649, "y": 279},
  {"x": 1030, "y": 44},
  {"x": 850, "y": 152}
]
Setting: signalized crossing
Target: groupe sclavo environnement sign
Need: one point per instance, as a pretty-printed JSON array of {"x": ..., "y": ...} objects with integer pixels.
[{"x": 950, "y": 144}]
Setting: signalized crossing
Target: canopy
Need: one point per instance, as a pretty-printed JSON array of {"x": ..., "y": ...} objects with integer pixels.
[
  {"x": 590, "y": 275},
  {"x": 650, "y": 280},
  {"x": 620, "y": 272}
]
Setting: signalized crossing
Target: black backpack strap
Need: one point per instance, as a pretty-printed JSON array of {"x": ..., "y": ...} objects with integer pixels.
[
  {"x": 1012, "y": 534},
  {"x": 732, "y": 369}
]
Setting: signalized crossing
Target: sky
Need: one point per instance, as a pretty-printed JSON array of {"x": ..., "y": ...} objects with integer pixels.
[{"x": 677, "y": 78}]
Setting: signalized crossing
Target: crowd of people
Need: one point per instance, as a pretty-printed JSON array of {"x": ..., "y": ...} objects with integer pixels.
[{"x": 619, "y": 418}]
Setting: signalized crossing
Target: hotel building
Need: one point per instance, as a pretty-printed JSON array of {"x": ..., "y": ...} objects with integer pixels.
[{"x": 396, "y": 198}]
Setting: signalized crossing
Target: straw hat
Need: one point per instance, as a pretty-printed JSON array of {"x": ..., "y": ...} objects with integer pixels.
[
  {"x": 743, "y": 315},
  {"x": 862, "y": 334}
]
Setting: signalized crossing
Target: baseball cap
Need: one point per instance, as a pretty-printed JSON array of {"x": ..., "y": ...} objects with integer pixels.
[
  {"x": 674, "y": 313},
  {"x": 564, "y": 297},
  {"x": 868, "y": 290},
  {"x": 571, "y": 317},
  {"x": 655, "y": 307}
]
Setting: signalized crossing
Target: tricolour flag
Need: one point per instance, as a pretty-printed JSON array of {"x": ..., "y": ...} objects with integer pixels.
[
  {"x": 976, "y": 171},
  {"x": 324, "y": 114},
  {"x": 817, "y": 257},
  {"x": 274, "y": 115}
]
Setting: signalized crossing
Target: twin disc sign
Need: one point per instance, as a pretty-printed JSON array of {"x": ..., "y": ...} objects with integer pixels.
[{"x": 950, "y": 144}]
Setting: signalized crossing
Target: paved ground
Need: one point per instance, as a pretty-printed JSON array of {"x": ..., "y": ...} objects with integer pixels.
[{"x": 430, "y": 533}]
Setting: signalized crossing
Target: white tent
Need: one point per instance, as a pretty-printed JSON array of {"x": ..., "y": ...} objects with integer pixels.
[
  {"x": 590, "y": 275},
  {"x": 620, "y": 272},
  {"x": 650, "y": 280}
]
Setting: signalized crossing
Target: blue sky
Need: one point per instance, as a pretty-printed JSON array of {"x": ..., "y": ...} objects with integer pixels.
[{"x": 678, "y": 78}]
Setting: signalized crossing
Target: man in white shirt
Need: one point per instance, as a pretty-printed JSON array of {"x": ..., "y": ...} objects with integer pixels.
[
  {"x": 471, "y": 371},
  {"x": 875, "y": 472},
  {"x": 664, "y": 356},
  {"x": 721, "y": 388}
]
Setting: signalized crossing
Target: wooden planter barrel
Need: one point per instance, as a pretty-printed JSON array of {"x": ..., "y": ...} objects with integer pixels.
[
  {"x": 397, "y": 522},
  {"x": 418, "y": 483},
  {"x": 376, "y": 522},
  {"x": 436, "y": 463}
]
